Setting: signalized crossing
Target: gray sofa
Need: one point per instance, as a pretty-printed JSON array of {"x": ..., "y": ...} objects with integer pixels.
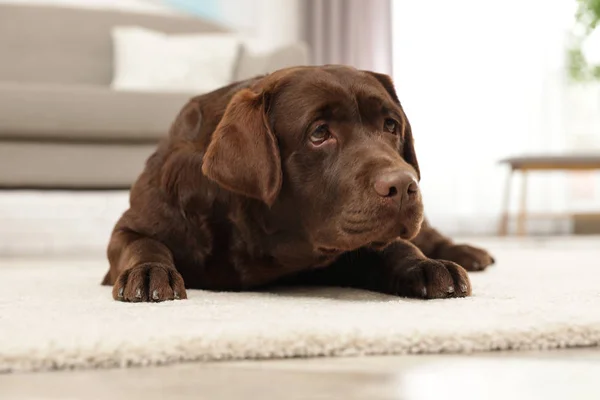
[{"x": 61, "y": 125}]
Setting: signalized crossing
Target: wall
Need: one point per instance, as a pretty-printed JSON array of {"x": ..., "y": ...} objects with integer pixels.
[
  {"x": 271, "y": 23},
  {"x": 482, "y": 82},
  {"x": 132, "y": 5},
  {"x": 266, "y": 23}
]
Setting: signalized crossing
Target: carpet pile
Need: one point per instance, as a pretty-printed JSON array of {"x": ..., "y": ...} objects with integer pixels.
[{"x": 55, "y": 315}]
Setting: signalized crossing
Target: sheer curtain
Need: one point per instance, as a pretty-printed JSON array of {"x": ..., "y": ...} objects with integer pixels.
[
  {"x": 481, "y": 81},
  {"x": 351, "y": 32}
]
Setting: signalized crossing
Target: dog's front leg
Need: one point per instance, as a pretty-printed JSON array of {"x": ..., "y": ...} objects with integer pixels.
[
  {"x": 435, "y": 245},
  {"x": 142, "y": 269},
  {"x": 400, "y": 269}
]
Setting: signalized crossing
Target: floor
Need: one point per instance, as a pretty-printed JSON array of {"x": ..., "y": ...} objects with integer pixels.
[
  {"x": 560, "y": 374},
  {"x": 544, "y": 375}
]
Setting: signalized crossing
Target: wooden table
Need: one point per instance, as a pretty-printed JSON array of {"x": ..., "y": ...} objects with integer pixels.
[{"x": 526, "y": 164}]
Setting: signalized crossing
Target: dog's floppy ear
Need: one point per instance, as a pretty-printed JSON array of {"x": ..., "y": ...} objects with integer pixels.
[
  {"x": 408, "y": 146},
  {"x": 243, "y": 155}
]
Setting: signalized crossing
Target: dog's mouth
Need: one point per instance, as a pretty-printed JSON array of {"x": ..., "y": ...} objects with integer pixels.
[
  {"x": 327, "y": 250},
  {"x": 350, "y": 229},
  {"x": 352, "y": 238},
  {"x": 357, "y": 229},
  {"x": 379, "y": 245},
  {"x": 382, "y": 231},
  {"x": 380, "y": 227}
]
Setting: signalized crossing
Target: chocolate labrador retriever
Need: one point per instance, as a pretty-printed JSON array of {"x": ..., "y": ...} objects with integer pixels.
[{"x": 306, "y": 176}]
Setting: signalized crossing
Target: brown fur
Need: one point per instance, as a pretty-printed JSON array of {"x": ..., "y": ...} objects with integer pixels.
[{"x": 243, "y": 194}]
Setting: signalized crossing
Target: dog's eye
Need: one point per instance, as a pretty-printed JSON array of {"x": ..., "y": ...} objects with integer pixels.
[
  {"x": 320, "y": 134},
  {"x": 390, "y": 125}
]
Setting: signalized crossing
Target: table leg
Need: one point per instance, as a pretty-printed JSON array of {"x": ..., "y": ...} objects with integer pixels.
[
  {"x": 522, "y": 217},
  {"x": 505, "y": 217}
]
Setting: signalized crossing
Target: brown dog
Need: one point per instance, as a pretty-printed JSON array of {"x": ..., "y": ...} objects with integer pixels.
[{"x": 307, "y": 175}]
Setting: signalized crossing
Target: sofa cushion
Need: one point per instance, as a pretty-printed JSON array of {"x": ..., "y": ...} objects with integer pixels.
[
  {"x": 34, "y": 165},
  {"x": 85, "y": 113}
]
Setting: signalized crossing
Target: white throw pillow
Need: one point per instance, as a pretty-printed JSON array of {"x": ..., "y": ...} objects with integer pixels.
[
  {"x": 147, "y": 60},
  {"x": 253, "y": 63}
]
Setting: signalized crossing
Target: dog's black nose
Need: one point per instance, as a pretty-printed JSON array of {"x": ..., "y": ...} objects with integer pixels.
[{"x": 396, "y": 184}]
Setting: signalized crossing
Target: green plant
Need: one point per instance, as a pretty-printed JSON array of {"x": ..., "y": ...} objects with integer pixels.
[{"x": 588, "y": 18}]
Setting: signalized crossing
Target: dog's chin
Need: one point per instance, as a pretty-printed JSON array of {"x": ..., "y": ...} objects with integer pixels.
[{"x": 411, "y": 228}]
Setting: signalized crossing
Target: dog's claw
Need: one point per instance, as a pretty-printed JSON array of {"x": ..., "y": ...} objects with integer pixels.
[
  {"x": 463, "y": 288},
  {"x": 450, "y": 289},
  {"x": 424, "y": 292},
  {"x": 148, "y": 283},
  {"x": 176, "y": 295}
]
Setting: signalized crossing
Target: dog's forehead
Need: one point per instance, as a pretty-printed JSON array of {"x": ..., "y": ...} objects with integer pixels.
[
  {"x": 333, "y": 83},
  {"x": 334, "y": 77}
]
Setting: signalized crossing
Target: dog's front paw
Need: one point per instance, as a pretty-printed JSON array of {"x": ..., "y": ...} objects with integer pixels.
[
  {"x": 149, "y": 282},
  {"x": 469, "y": 257},
  {"x": 432, "y": 279}
]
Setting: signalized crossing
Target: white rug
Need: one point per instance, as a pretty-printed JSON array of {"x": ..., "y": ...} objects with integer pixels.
[{"x": 55, "y": 315}]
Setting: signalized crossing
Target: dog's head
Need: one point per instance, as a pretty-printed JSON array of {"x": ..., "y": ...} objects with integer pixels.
[{"x": 330, "y": 145}]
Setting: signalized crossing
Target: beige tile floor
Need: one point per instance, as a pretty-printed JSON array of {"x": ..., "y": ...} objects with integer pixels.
[{"x": 563, "y": 374}]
